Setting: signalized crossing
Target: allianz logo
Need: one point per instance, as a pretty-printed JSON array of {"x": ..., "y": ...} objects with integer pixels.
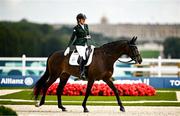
[{"x": 27, "y": 81}]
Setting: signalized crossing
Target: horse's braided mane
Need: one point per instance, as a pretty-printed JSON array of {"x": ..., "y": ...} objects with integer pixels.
[{"x": 115, "y": 43}]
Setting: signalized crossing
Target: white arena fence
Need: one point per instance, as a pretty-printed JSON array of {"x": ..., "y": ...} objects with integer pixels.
[{"x": 150, "y": 67}]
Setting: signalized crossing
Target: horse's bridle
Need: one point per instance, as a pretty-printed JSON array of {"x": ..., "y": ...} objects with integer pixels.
[{"x": 134, "y": 56}]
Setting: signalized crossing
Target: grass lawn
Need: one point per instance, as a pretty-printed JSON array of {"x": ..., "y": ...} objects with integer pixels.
[
  {"x": 101, "y": 100},
  {"x": 27, "y": 95},
  {"x": 149, "y": 53}
]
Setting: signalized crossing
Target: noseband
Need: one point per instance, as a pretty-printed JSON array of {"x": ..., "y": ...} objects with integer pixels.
[{"x": 133, "y": 58}]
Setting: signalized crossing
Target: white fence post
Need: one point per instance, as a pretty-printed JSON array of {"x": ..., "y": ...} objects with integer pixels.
[
  {"x": 159, "y": 66},
  {"x": 156, "y": 69},
  {"x": 23, "y": 65}
]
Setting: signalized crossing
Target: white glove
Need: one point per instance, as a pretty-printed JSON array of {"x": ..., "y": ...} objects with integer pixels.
[
  {"x": 88, "y": 37},
  {"x": 66, "y": 51}
]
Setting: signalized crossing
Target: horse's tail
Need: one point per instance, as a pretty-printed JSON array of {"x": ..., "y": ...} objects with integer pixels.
[{"x": 41, "y": 82}]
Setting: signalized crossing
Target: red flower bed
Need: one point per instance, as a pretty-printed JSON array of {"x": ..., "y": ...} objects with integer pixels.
[{"x": 140, "y": 89}]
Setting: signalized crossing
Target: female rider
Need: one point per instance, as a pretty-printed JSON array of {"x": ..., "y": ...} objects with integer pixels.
[{"x": 81, "y": 33}]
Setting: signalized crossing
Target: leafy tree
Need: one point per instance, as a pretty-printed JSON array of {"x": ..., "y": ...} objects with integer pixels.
[
  {"x": 172, "y": 47},
  {"x": 38, "y": 40}
]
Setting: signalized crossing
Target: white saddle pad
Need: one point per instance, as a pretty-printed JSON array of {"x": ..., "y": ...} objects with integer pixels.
[{"x": 74, "y": 58}]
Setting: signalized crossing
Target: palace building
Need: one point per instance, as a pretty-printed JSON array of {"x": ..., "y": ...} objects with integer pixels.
[{"x": 144, "y": 32}]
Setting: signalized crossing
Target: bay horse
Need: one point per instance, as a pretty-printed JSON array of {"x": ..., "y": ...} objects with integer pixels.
[{"x": 101, "y": 68}]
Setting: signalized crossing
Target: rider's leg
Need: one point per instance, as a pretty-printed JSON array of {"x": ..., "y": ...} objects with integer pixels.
[
  {"x": 81, "y": 50},
  {"x": 82, "y": 68}
]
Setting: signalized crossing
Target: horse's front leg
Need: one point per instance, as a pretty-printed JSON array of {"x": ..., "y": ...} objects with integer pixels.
[
  {"x": 88, "y": 91},
  {"x": 111, "y": 85},
  {"x": 63, "y": 80}
]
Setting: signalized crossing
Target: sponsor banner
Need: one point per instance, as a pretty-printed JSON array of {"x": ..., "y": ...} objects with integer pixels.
[
  {"x": 18, "y": 81},
  {"x": 156, "y": 82},
  {"x": 29, "y": 81}
]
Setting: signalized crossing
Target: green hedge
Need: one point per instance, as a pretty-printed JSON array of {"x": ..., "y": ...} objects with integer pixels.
[{"x": 4, "y": 111}]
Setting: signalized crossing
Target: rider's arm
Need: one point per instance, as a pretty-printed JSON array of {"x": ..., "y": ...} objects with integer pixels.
[
  {"x": 87, "y": 30},
  {"x": 88, "y": 35},
  {"x": 72, "y": 38}
]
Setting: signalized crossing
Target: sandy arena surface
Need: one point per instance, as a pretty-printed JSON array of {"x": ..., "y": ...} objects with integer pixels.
[
  {"x": 6, "y": 91},
  {"x": 52, "y": 110}
]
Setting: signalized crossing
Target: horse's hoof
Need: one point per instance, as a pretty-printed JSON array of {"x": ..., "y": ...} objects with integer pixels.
[
  {"x": 37, "y": 105},
  {"x": 63, "y": 108},
  {"x": 122, "y": 109},
  {"x": 86, "y": 110}
]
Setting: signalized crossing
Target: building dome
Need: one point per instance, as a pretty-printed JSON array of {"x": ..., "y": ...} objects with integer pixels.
[{"x": 104, "y": 20}]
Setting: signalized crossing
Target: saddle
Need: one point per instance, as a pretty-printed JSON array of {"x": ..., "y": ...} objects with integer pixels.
[{"x": 75, "y": 58}]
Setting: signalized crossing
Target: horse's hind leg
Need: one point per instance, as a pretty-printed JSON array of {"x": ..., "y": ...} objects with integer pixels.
[
  {"x": 45, "y": 88},
  {"x": 88, "y": 91},
  {"x": 63, "y": 80},
  {"x": 111, "y": 85}
]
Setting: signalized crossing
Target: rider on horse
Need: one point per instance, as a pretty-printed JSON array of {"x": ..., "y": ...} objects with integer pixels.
[{"x": 81, "y": 33}]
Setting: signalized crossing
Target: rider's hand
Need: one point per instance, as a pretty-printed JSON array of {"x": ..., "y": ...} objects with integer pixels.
[
  {"x": 66, "y": 51},
  {"x": 88, "y": 37}
]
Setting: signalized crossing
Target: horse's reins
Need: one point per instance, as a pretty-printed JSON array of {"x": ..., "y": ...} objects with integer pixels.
[{"x": 127, "y": 62}]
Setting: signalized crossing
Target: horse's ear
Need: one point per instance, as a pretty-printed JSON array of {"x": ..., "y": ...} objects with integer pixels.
[{"x": 133, "y": 40}]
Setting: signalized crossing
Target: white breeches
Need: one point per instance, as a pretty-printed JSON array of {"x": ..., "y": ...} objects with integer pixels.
[{"x": 81, "y": 50}]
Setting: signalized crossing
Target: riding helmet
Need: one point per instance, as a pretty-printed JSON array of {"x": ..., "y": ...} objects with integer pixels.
[{"x": 80, "y": 16}]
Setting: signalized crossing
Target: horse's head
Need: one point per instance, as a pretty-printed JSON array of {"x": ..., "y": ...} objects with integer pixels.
[
  {"x": 133, "y": 51},
  {"x": 118, "y": 48}
]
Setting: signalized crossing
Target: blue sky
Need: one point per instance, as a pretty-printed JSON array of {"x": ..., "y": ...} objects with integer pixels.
[{"x": 117, "y": 11}]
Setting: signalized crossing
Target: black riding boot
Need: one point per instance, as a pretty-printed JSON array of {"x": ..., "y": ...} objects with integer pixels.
[{"x": 82, "y": 69}]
